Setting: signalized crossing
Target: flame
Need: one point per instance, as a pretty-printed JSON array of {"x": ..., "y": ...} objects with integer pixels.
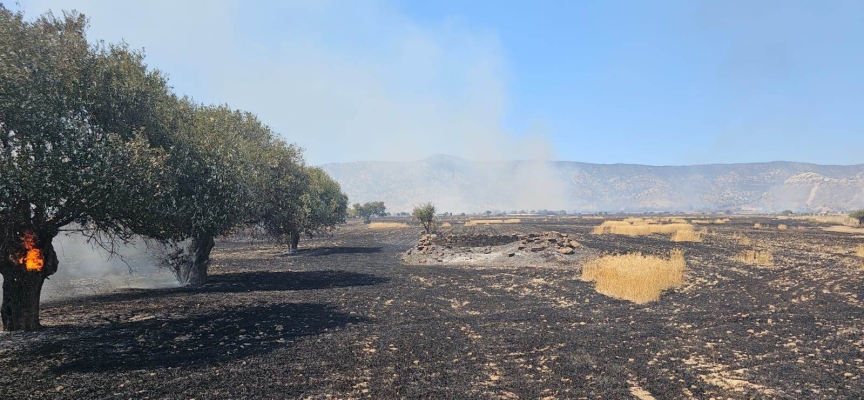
[{"x": 33, "y": 259}]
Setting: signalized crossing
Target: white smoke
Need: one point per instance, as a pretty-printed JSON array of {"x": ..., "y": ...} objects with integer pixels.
[{"x": 86, "y": 269}]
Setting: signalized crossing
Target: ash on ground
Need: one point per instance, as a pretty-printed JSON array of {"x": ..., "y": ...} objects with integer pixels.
[{"x": 547, "y": 249}]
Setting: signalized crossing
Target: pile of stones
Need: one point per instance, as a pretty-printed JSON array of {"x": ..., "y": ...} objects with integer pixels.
[
  {"x": 433, "y": 247},
  {"x": 560, "y": 242}
]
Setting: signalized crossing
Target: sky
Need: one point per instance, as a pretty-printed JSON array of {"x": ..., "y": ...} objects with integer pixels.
[{"x": 659, "y": 82}]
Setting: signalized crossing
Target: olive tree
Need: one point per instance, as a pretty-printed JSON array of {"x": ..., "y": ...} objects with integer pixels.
[
  {"x": 857, "y": 215},
  {"x": 79, "y": 131},
  {"x": 303, "y": 200},
  {"x": 216, "y": 163},
  {"x": 281, "y": 202},
  {"x": 426, "y": 215},
  {"x": 324, "y": 205},
  {"x": 370, "y": 209}
]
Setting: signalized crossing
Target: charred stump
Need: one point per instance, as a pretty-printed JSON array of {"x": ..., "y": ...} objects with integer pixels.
[{"x": 22, "y": 285}]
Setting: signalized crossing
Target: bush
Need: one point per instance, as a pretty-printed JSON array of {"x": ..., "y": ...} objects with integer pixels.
[
  {"x": 426, "y": 215},
  {"x": 858, "y": 215}
]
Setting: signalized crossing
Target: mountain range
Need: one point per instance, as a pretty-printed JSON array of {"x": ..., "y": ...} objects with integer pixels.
[{"x": 457, "y": 185}]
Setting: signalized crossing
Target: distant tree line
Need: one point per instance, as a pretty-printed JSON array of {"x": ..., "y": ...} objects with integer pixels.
[{"x": 93, "y": 140}]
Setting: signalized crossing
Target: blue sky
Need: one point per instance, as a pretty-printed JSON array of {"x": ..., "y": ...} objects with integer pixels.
[{"x": 661, "y": 82}]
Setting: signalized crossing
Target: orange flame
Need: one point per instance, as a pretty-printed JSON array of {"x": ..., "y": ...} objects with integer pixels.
[{"x": 33, "y": 259}]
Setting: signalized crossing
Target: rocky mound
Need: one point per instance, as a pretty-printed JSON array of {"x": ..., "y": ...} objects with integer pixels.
[{"x": 534, "y": 249}]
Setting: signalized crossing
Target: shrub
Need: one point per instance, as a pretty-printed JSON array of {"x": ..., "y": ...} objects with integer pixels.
[
  {"x": 426, "y": 215},
  {"x": 858, "y": 215}
]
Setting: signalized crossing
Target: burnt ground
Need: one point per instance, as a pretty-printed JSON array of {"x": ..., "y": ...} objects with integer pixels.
[{"x": 345, "y": 319}]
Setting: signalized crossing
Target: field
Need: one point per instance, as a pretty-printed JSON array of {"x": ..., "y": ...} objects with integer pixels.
[{"x": 346, "y": 319}]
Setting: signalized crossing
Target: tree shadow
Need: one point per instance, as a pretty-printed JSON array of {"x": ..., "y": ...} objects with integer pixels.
[
  {"x": 252, "y": 281},
  {"x": 196, "y": 341},
  {"x": 288, "y": 280}
]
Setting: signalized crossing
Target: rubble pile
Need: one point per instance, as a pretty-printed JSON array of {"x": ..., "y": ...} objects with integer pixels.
[
  {"x": 560, "y": 242},
  {"x": 532, "y": 248}
]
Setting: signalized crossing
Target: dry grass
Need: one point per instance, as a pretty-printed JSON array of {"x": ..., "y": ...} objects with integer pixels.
[
  {"x": 742, "y": 240},
  {"x": 756, "y": 257},
  {"x": 782, "y": 227},
  {"x": 386, "y": 225},
  {"x": 859, "y": 251},
  {"x": 445, "y": 225},
  {"x": 844, "y": 229},
  {"x": 493, "y": 221},
  {"x": 710, "y": 221},
  {"x": 687, "y": 235},
  {"x": 757, "y": 225},
  {"x": 638, "y": 227},
  {"x": 829, "y": 219},
  {"x": 635, "y": 277}
]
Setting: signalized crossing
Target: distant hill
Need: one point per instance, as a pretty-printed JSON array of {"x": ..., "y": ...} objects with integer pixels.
[{"x": 459, "y": 185}]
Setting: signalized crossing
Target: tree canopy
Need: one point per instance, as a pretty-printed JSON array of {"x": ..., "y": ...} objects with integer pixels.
[
  {"x": 370, "y": 209},
  {"x": 94, "y": 140},
  {"x": 858, "y": 214},
  {"x": 425, "y": 214}
]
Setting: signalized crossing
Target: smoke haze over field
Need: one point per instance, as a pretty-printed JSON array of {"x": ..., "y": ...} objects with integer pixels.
[
  {"x": 667, "y": 83},
  {"x": 458, "y": 185},
  {"x": 345, "y": 80},
  {"x": 85, "y": 269}
]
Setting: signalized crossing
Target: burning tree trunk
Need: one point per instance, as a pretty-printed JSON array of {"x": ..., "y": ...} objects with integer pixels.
[{"x": 24, "y": 272}]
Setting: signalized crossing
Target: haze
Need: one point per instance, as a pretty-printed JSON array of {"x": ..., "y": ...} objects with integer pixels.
[{"x": 660, "y": 83}]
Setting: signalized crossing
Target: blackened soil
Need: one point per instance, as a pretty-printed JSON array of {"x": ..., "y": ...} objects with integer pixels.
[{"x": 345, "y": 319}]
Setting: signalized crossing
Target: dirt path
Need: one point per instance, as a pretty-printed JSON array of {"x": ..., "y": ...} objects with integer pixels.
[{"x": 349, "y": 321}]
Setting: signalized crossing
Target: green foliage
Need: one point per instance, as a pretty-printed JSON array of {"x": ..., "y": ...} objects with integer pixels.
[
  {"x": 786, "y": 213},
  {"x": 325, "y": 206},
  {"x": 282, "y": 201},
  {"x": 368, "y": 210},
  {"x": 90, "y": 136},
  {"x": 426, "y": 215},
  {"x": 299, "y": 199},
  {"x": 217, "y": 163},
  {"x": 352, "y": 211},
  {"x": 93, "y": 138},
  {"x": 78, "y": 124},
  {"x": 857, "y": 214}
]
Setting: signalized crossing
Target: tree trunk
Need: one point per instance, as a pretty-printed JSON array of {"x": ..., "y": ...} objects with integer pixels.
[
  {"x": 295, "y": 240},
  {"x": 198, "y": 260},
  {"x": 22, "y": 289}
]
